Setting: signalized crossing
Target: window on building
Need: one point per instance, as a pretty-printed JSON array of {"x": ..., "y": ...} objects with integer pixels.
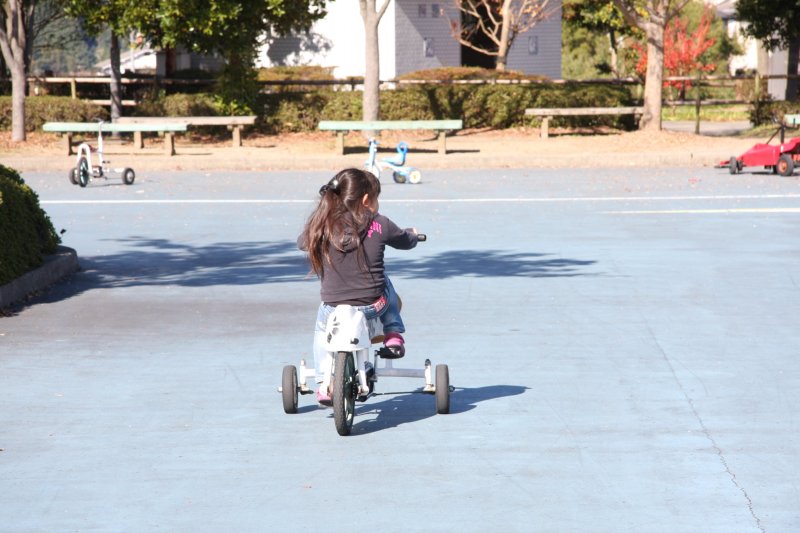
[
  {"x": 436, "y": 11},
  {"x": 422, "y": 10},
  {"x": 427, "y": 45},
  {"x": 533, "y": 45}
]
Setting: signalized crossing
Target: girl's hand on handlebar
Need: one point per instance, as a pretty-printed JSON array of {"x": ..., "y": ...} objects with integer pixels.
[{"x": 420, "y": 236}]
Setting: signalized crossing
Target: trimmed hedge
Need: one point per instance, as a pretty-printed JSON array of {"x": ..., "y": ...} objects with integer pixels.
[
  {"x": 26, "y": 232},
  {"x": 178, "y": 105},
  {"x": 479, "y": 106},
  {"x": 41, "y": 109}
]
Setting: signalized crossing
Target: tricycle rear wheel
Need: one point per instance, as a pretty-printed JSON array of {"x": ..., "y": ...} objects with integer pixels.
[
  {"x": 128, "y": 175},
  {"x": 289, "y": 389},
  {"x": 785, "y": 166},
  {"x": 442, "y": 389},
  {"x": 733, "y": 166},
  {"x": 84, "y": 171}
]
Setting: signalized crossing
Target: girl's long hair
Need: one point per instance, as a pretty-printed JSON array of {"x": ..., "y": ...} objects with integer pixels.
[{"x": 340, "y": 218}]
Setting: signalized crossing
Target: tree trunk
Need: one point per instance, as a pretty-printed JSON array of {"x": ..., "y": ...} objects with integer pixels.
[
  {"x": 371, "y": 99},
  {"x": 13, "y": 39},
  {"x": 116, "y": 79},
  {"x": 791, "y": 69},
  {"x": 612, "y": 50},
  {"x": 18, "y": 87},
  {"x": 505, "y": 33},
  {"x": 654, "y": 78}
]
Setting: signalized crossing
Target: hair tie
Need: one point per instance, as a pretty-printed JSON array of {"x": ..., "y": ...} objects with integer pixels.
[{"x": 332, "y": 185}]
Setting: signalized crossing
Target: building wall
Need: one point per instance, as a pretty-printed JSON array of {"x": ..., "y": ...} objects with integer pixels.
[
  {"x": 413, "y": 35},
  {"x": 538, "y": 51},
  {"x": 336, "y": 41},
  {"x": 424, "y": 39}
]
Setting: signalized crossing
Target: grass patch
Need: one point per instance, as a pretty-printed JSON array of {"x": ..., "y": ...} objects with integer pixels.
[{"x": 714, "y": 113}]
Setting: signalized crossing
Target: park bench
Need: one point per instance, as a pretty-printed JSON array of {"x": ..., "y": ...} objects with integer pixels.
[
  {"x": 234, "y": 124},
  {"x": 68, "y": 129},
  {"x": 342, "y": 127},
  {"x": 548, "y": 113}
]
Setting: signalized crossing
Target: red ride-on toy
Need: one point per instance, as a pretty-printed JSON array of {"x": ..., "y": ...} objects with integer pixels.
[{"x": 779, "y": 158}]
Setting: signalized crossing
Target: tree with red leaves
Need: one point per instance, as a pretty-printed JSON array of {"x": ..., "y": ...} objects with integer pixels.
[{"x": 684, "y": 51}]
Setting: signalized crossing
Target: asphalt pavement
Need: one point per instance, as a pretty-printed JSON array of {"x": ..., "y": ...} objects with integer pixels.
[{"x": 622, "y": 342}]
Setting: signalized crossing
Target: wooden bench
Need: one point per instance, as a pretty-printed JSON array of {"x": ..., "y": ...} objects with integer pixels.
[
  {"x": 341, "y": 127},
  {"x": 548, "y": 113},
  {"x": 234, "y": 124},
  {"x": 68, "y": 129}
]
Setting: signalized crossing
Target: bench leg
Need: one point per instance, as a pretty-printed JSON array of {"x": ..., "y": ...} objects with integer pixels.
[
  {"x": 442, "y": 142},
  {"x": 138, "y": 142},
  {"x": 68, "y": 140},
  {"x": 340, "y": 142},
  {"x": 237, "y": 136},
  {"x": 545, "y": 127},
  {"x": 169, "y": 143}
]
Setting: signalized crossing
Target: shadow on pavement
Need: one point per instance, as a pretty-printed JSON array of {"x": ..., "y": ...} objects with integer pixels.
[
  {"x": 161, "y": 262},
  {"x": 407, "y": 408}
]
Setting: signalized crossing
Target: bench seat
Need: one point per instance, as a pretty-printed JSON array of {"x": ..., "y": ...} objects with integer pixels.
[
  {"x": 342, "y": 127},
  {"x": 234, "y": 124},
  {"x": 68, "y": 129},
  {"x": 549, "y": 113}
]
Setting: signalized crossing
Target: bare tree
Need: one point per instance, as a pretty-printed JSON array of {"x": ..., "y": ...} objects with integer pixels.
[
  {"x": 15, "y": 23},
  {"x": 651, "y": 16},
  {"x": 498, "y": 20},
  {"x": 371, "y": 15}
]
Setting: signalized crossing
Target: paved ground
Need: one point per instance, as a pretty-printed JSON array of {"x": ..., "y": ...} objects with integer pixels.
[{"x": 623, "y": 343}]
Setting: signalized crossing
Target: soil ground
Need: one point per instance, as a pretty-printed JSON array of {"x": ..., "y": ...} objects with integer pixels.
[{"x": 512, "y": 148}]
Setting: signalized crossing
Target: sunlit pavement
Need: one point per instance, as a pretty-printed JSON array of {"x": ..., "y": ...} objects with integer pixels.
[{"x": 623, "y": 346}]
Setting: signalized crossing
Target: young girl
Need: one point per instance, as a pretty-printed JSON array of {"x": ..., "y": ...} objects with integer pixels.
[{"x": 345, "y": 238}]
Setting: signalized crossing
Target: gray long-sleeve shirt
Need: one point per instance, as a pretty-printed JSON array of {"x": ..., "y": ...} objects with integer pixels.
[{"x": 356, "y": 279}]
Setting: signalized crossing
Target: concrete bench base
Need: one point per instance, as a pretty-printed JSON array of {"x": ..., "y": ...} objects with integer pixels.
[
  {"x": 548, "y": 113},
  {"x": 342, "y": 127},
  {"x": 234, "y": 124}
]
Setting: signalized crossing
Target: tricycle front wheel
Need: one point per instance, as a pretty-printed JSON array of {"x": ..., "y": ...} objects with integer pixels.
[{"x": 344, "y": 392}]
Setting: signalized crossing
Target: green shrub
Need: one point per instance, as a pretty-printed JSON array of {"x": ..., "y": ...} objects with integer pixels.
[
  {"x": 479, "y": 106},
  {"x": 158, "y": 104},
  {"x": 765, "y": 112},
  {"x": 41, "y": 109},
  {"x": 26, "y": 232},
  {"x": 467, "y": 73},
  {"x": 296, "y": 112}
]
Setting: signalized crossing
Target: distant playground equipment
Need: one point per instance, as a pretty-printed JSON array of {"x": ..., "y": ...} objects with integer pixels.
[
  {"x": 777, "y": 158},
  {"x": 400, "y": 171},
  {"x": 87, "y": 168}
]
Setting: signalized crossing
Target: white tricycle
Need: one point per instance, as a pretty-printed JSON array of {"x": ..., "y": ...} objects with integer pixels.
[
  {"x": 351, "y": 373},
  {"x": 89, "y": 164}
]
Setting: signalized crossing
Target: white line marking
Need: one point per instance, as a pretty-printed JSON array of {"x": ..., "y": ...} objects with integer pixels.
[
  {"x": 708, "y": 211},
  {"x": 443, "y": 200}
]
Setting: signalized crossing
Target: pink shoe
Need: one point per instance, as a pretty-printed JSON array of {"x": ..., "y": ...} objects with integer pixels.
[
  {"x": 323, "y": 398},
  {"x": 395, "y": 343}
]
